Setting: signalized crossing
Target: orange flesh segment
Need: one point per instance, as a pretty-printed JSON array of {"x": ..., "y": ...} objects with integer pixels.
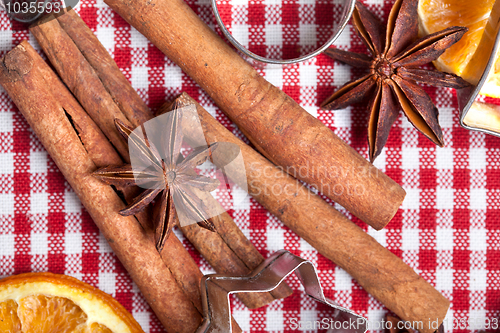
[
  {"x": 9, "y": 321},
  {"x": 436, "y": 15},
  {"x": 45, "y": 314}
]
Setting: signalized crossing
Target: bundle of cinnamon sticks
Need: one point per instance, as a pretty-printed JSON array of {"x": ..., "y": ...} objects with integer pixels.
[
  {"x": 77, "y": 128},
  {"x": 82, "y": 128}
]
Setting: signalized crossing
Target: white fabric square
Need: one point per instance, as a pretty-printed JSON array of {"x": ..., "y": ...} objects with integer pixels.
[
  {"x": 100, "y": 4},
  {"x": 6, "y": 204},
  {"x": 343, "y": 281},
  {"x": 412, "y": 199},
  {"x": 106, "y": 36},
  {"x": 6, "y": 120},
  {"x": 444, "y": 158},
  {"x": 444, "y": 198},
  {"x": 274, "y": 34},
  {"x": 7, "y": 247},
  {"x": 274, "y": 320},
  {"x": 410, "y": 157},
  {"x": 139, "y": 77},
  {"x": 446, "y": 118},
  {"x": 173, "y": 77},
  {"x": 477, "y": 279},
  {"x": 143, "y": 318},
  {"x": 478, "y": 198},
  {"x": 344, "y": 40},
  {"x": 107, "y": 283},
  {"x": 241, "y": 199},
  {"x": 477, "y": 158},
  {"x": 241, "y": 34},
  {"x": 38, "y": 162},
  {"x": 444, "y": 279},
  {"x": 39, "y": 203},
  {"x": 342, "y": 118},
  {"x": 308, "y": 75},
  {"x": 72, "y": 203},
  {"x": 381, "y": 161},
  {"x": 239, "y": 3},
  {"x": 137, "y": 40},
  {"x": 39, "y": 243},
  {"x": 6, "y": 163},
  {"x": 477, "y": 239},
  {"x": 444, "y": 239},
  {"x": 375, "y": 317},
  {"x": 103, "y": 245},
  {"x": 379, "y": 235},
  {"x": 477, "y": 319},
  {"x": 275, "y": 239},
  {"x": 341, "y": 74},
  {"x": 305, "y": 246},
  {"x": 307, "y": 34},
  {"x": 308, "y": 319},
  {"x": 274, "y": 75},
  {"x": 410, "y": 239},
  {"x": 73, "y": 243},
  {"x": 242, "y": 317}
]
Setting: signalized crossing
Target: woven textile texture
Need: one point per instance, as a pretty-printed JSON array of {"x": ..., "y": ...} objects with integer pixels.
[{"x": 447, "y": 228}]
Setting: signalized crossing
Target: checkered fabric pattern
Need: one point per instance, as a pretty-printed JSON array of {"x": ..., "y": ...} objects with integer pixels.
[{"x": 447, "y": 228}]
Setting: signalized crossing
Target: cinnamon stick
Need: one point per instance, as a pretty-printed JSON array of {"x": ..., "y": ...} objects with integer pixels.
[
  {"x": 118, "y": 87},
  {"x": 236, "y": 254},
  {"x": 80, "y": 78},
  {"x": 280, "y": 129},
  {"x": 376, "y": 269},
  {"x": 27, "y": 85}
]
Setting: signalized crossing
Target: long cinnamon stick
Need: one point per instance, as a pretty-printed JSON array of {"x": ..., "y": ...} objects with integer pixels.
[
  {"x": 236, "y": 254},
  {"x": 27, "y": 85},
  {"x": 377, "y": 270},
  {"x": 280, "y": 129}
]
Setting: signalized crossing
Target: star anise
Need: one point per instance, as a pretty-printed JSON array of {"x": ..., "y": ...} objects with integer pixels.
[
  {"x": 166, "y": 175},
  {"x": 396, "y": 56}
]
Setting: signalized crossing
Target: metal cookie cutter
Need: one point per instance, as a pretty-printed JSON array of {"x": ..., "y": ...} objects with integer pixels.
[
  {"x": 347, "y": 9},
  {"x": 215, "y": 290},
  {"x": 474, "y": 115}
]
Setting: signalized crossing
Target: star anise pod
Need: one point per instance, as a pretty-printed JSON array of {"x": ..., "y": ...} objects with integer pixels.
[
  {"x": 166, "y": 175},
  {"x": 396, "y": 56}
]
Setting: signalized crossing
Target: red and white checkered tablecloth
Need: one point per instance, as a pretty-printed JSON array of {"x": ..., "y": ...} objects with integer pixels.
[{"x": 447, "y": 228}]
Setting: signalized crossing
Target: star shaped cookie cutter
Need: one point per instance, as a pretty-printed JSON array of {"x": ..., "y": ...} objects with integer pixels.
[{"x": 216, "y": 289}]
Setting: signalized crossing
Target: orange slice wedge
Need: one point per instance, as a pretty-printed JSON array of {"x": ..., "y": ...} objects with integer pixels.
[{"x": 51, "y": 303}]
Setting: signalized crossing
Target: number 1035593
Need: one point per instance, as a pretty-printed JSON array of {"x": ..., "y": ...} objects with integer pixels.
[{"x": 27, "y": 7}]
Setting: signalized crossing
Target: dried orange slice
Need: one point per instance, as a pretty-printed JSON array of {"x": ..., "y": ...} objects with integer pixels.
[
  {"x": 51, "y": 303},
  {"x": 436, "y": 15}
]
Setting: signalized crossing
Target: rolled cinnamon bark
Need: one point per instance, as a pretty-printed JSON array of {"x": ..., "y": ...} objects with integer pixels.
[
  {"x": 236, "y": 254},
  {"x": 376, "y": 269},
  {"x": 36, "y": 99},
  {"x": 280, "y": 129}
]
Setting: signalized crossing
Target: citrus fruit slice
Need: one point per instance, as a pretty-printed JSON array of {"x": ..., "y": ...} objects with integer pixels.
[
  {"x": 51, "y": 303},
  {"x": 435, "y": 15}
]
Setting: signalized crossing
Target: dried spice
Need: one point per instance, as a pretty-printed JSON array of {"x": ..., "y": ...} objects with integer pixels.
[
  {"x": 394, "y": 71},
  {"x": 172, "y": 176}
]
